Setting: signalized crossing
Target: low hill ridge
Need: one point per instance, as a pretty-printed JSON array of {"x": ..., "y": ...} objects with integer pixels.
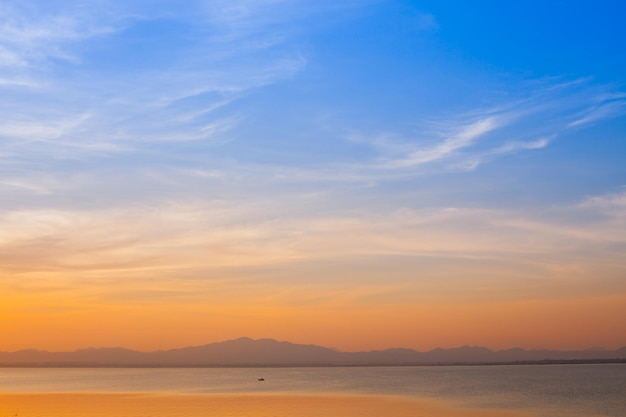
[{"x": 269, "y": 352}]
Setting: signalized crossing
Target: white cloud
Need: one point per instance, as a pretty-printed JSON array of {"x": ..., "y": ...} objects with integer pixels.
[
  {"x": 29, "y": 36},
  {"x": 33, "y": 130},
  {"x": 609, "y": 210},
  {"x": 96, "y": 110},
  {"x": 599, "y": 112},
  {"x": 244, "y": 233},
  {"x": 469, "y": 139},
  {"x": 24, "y": 185},
  {"x": 460, "y": 137}
]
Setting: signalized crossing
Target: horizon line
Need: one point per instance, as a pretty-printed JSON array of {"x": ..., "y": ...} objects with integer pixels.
[{"x": 592, "y": 348}]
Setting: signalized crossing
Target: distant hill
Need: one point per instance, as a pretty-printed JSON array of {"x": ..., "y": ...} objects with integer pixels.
[{"x": 269, "y": 352}]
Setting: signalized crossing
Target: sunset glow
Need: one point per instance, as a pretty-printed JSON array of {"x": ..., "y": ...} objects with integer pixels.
[{"x": 353, "y": 174}]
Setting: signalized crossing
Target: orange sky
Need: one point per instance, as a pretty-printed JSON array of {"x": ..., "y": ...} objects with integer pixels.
[
  {"x": 361, "y": 317},
  {"x": 409, "y": 279},
  {"x": 418, "y": 279}
]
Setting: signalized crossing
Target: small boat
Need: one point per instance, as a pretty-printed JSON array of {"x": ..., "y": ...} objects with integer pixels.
[{"x": 261, "y": 379}]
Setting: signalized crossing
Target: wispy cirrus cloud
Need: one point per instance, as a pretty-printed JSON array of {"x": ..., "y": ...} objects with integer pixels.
[
  {"x": 471, "y": 138},
  {"x": 543, "y": 112},
  {"x": 556, "y": 246},
  {"x": 459, "y": 137},
  {"x": 607, "y": 106},
  {"x": 46, "y": 113},
  {"x": 31, "y": 35}
]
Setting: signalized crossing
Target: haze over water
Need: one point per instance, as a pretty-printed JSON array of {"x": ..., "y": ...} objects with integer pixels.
[{"x": 546, "y": 391}]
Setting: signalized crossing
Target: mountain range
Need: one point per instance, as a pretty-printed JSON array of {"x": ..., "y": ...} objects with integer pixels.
[{"x": 269, "y": 352}]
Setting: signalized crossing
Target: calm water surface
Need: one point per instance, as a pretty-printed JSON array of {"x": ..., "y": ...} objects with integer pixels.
[{"x": 555, "y": 390}]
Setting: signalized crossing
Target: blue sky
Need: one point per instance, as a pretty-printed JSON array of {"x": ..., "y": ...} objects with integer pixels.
[{"x": 358, "y": 150}]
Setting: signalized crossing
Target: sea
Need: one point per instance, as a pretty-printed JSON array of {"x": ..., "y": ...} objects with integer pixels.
[{"x": 549, "y": 390}]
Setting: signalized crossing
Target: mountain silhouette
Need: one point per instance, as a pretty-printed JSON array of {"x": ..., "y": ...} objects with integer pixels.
[{"x": 269, "y": 352}]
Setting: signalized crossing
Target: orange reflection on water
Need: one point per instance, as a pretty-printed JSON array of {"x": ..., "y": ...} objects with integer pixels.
[{"x": 249, "y": 405}]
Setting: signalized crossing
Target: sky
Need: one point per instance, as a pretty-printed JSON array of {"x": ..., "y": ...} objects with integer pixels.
[{"x": 358, "y": 174}]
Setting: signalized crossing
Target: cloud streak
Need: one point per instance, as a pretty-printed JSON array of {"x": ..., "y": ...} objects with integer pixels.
[
  {"x": 211, "y": 236},
  {"x": 32, "y": 35},
  {"x": 461, "y": 137},
  {"x": 465, "y": 141},
  {"x": 106, "y": 112},
  {"x": 470, "y": 139}
]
